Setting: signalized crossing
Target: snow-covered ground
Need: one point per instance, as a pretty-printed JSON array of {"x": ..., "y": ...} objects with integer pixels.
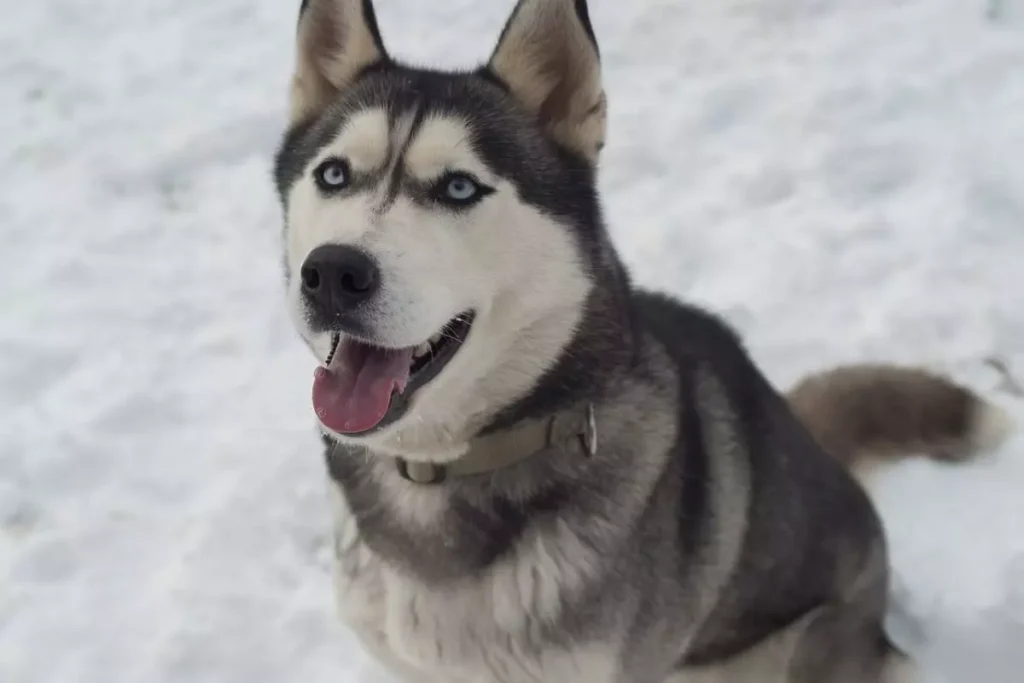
[{"x": 843, "y": 179}]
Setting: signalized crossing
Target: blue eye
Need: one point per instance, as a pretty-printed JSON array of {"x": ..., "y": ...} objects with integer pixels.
[
  {"x": 460, "y": 189},
  {"x": 332, "y": 174}
]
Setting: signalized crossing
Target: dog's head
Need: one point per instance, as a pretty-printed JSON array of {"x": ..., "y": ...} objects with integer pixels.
[{"x": 443, "y": 234}]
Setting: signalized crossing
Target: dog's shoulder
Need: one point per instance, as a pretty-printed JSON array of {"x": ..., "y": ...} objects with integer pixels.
[
  {"x": 693, "y": 336},
  {"x": 686, "y": 327}
]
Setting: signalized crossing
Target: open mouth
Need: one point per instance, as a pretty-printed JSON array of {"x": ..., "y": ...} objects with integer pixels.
[{"x": 362, "y": 387}]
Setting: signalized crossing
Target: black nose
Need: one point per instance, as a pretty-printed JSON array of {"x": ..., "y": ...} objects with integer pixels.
[{"x": 339, "y": 277}]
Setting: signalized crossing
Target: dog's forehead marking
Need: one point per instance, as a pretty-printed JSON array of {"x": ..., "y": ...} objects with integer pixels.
[
  {"x": 413, "y": 143},
  {"x": 401, "y": 134},
  {"x": 363, "y": 140},
  {"x": 370, "y": 140},
  {"x": 443, "y": 143}
]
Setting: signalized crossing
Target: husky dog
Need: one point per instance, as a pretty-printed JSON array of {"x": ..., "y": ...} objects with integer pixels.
[{"x": 540, "y": 472}]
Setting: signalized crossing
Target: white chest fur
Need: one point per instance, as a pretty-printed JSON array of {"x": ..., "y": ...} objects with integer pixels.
[{"x": 484, "y": 631}]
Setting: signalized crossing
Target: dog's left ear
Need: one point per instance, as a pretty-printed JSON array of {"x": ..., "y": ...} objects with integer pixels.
[
  {"x": 547, "y": 56},
  {"x": 337, "y": 40}
]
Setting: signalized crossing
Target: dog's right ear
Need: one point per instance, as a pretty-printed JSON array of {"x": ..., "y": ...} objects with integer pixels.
[
  {"x": 337, "y": 39},
  {"x": 547, "y": 56}
]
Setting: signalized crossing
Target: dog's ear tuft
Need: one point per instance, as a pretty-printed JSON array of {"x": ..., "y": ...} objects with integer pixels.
[
  {"x": 337, "y": 39},
  {"x": 547, "y": 56}
]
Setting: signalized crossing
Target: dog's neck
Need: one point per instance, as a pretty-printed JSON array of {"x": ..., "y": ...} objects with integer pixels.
[
  {"x": 574, "y": 429},
  {"x": 605, "y": 343}
]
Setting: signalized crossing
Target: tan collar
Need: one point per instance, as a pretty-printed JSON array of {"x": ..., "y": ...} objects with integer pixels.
[{"x": 571, "y": 430}]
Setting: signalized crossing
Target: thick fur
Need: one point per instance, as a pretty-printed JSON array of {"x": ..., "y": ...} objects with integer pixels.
[
  {"x": 874, "y": 413},
  {"x": 709, "y": 538}
]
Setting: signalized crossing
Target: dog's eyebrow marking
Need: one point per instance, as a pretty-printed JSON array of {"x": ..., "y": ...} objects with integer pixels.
[
  {"x": 444, "y": 143},
  {"x": 363, "y": 140}
]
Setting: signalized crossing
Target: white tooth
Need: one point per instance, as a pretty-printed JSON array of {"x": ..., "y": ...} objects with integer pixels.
[{"x": 421, "y": 350}]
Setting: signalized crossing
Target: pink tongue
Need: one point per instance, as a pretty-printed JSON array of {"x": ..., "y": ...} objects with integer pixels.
[{"x": 354, "y": 392}]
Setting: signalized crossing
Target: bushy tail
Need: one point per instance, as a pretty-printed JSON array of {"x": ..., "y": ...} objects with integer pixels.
[{"x": 869, "y": 414}]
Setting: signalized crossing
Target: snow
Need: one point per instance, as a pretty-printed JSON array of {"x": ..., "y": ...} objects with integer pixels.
[{"x": 842, "y": 180}]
